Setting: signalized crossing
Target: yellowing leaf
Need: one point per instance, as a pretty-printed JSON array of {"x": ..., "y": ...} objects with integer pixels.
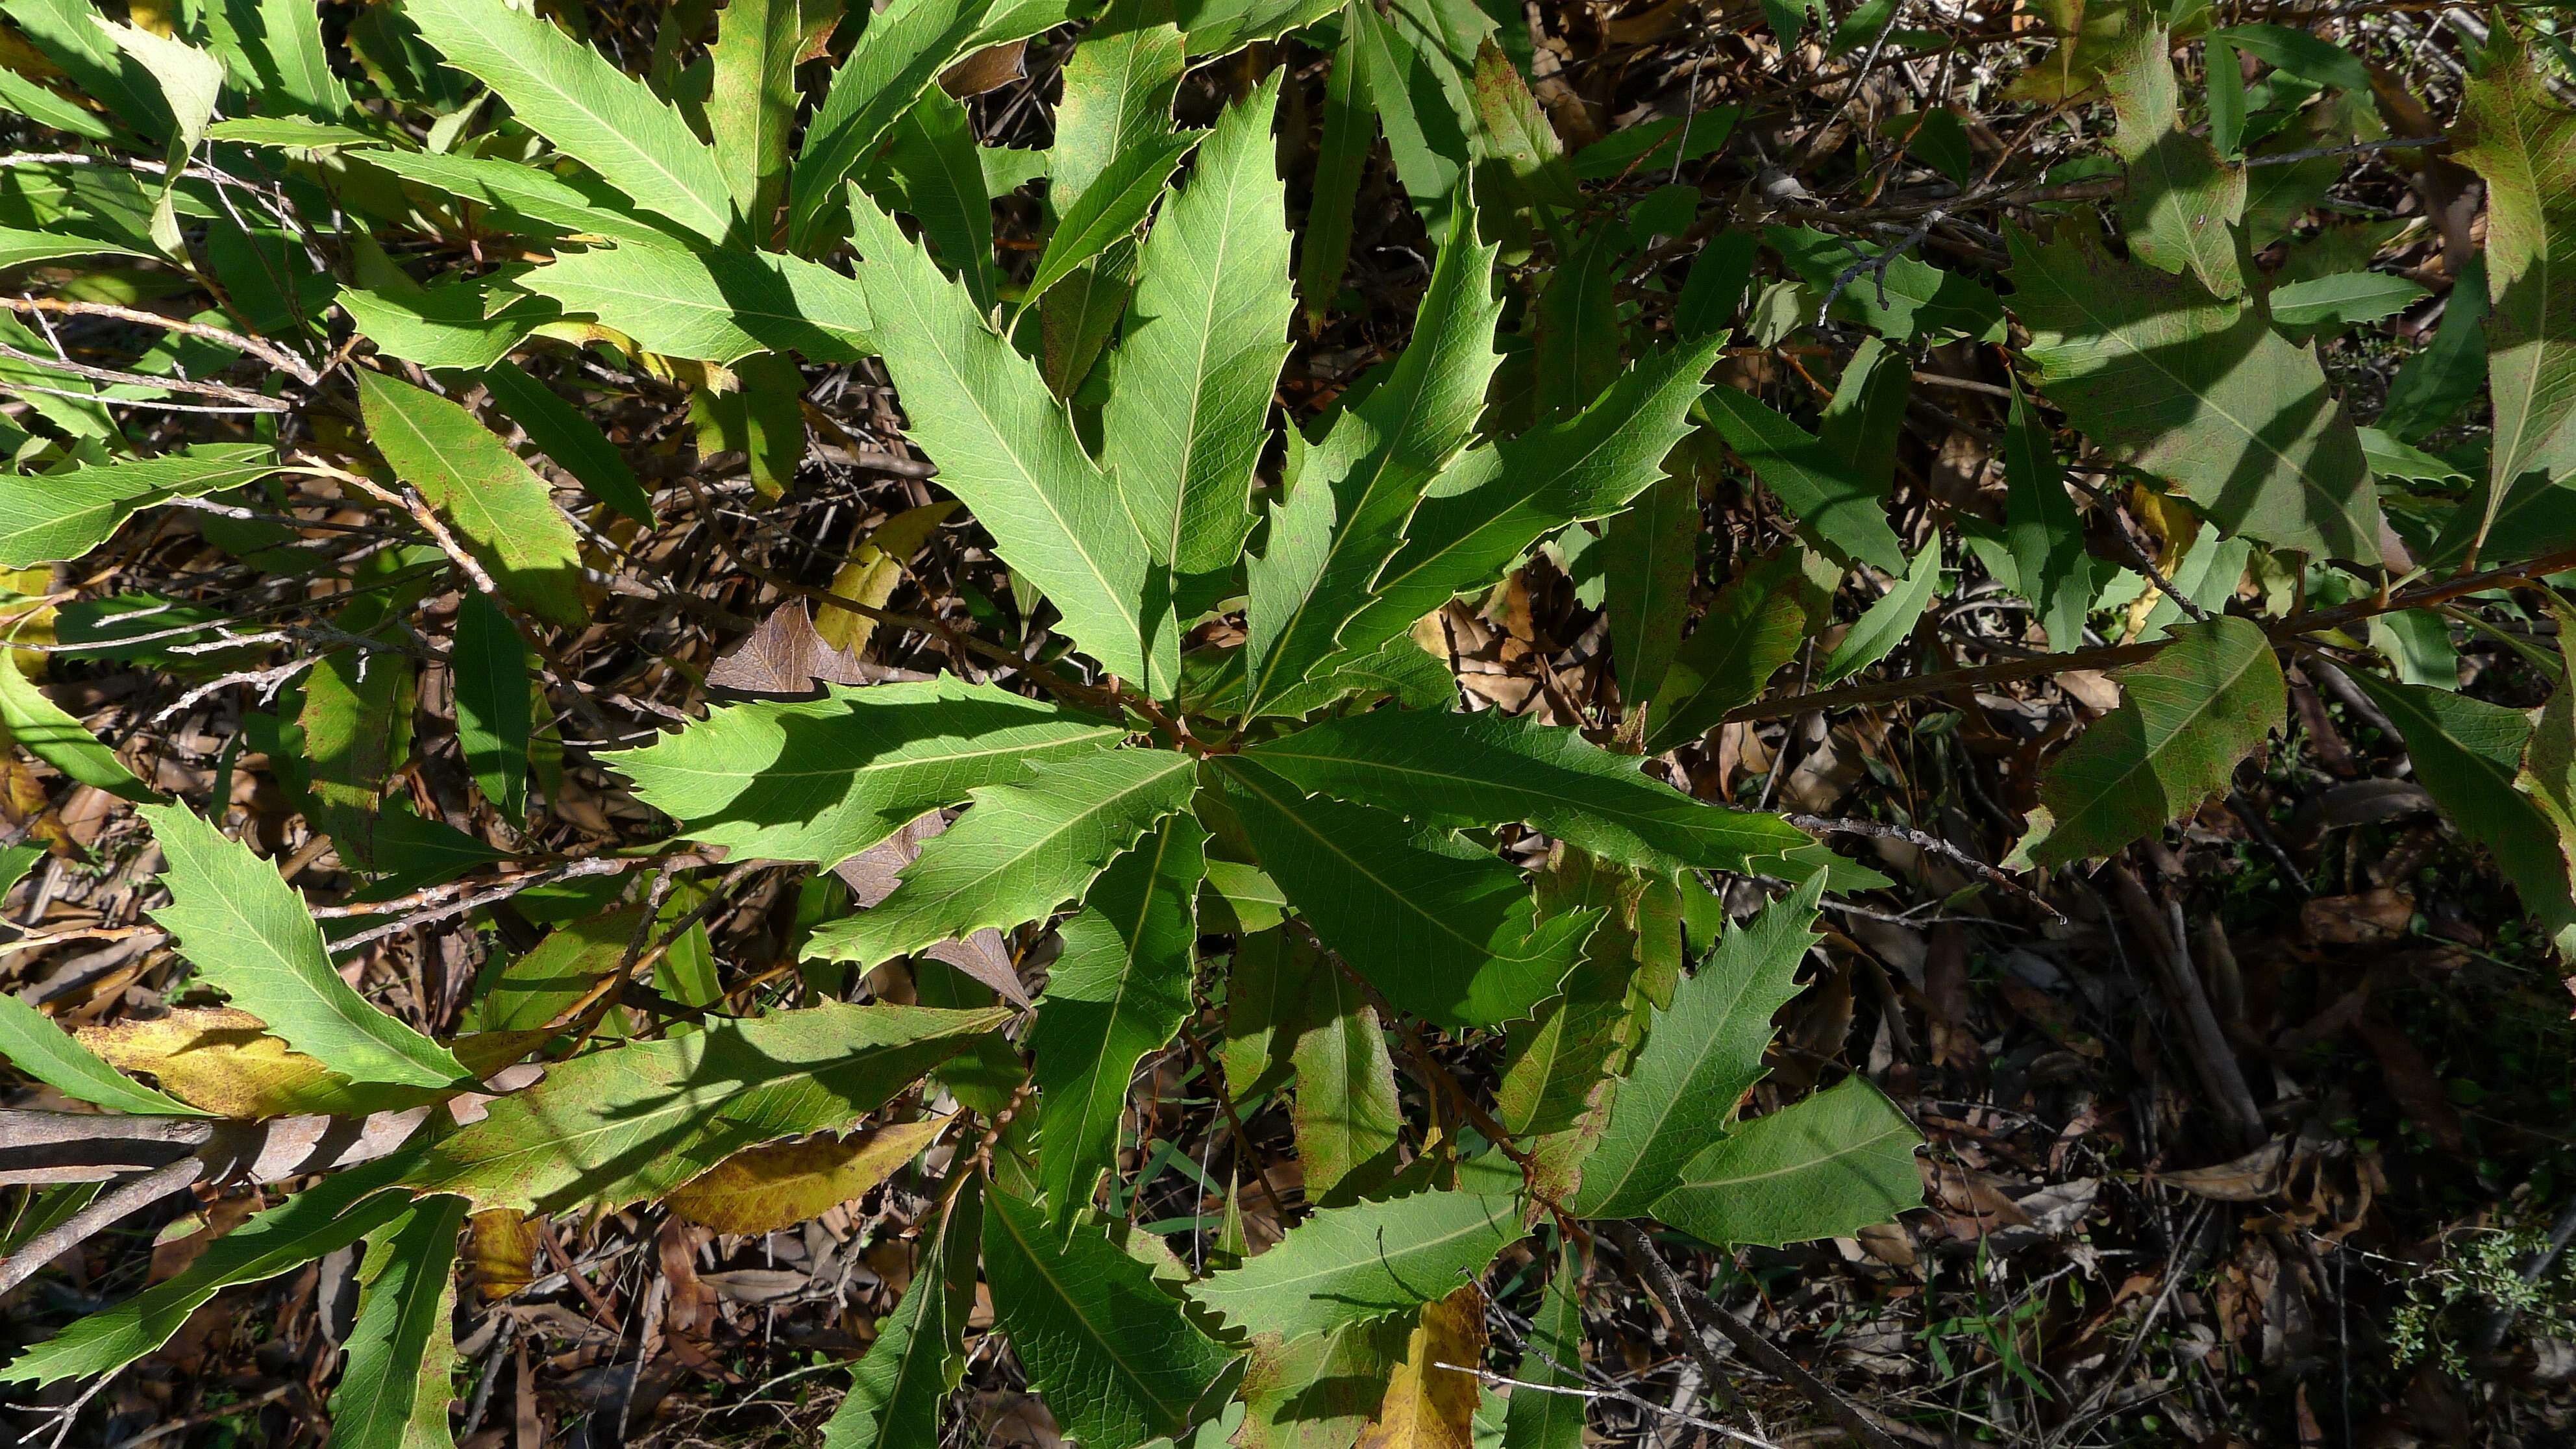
[
  {"x": 224, "y": 1061},
  {"x": 785, "y": 1183},
  {"x": 875, "y": 567},
  {"x": 1431, "y": 1400}
]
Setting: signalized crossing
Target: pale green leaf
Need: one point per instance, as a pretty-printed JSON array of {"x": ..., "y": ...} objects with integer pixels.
[
  {"x": 34, "y": 1045},
  {"x": 400, "y": 1375},
  {"x": 753, "y": 102},
  {"x": 1888, "y": 622},
  {"x": 1023, "y": 851},
  {"x": 1110, "y": 1352},
  {"x": 1824, "y": 1167},
  {"x": 2186, "y": 717},
  {"x": 1006, "y": 446},
  {"x": 249, "y": 935},
  {"x": 2346, "y": 299},
  {"x": 1348, "y": 1265},
  {"x": 19, "y": 247},
  {"x": 1347, "y": 1116},
  {"x": 936, "y": 165},
  {"x": 631, "y": 1124},
  {"x": 503, "y": 511},
  {"x": 1110, "y": 210},
  {"x": 31, "y": 718},
  {"x": 1188, "y": 414},
  {"x": 580, "y": 101},
  {"x": 1702, "y": 1055},
  {"x": 520, "y": 190},
  {"x": 1488, "y": 769},
  {"x": 719, "y": 305},
  {"x": 2199, "y": 392},
  {"x": 1118, "y": 992},
  {"x": 452, "y": 324}
]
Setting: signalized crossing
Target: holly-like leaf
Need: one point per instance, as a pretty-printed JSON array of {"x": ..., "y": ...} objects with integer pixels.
[
  {"x": 400, "y": 1375},
  {"x": 249, "y": 936},
  {"x": 1021, "y": 852},
  {"x": 2186, "y": 717},
  {"x": 1112, "y": 1354},
  {"x": 1348, "y": 1265},
  {"x": 1492, "y": 769},
  {"x": 716, "y": 305},
  {"x": 897, "y": 1391},
  {"x": 825, "y": 779},
  {"x": 503, "y": 511},
  {"x": 1119, "y": 991},
  {"x": 632, "y": 1124},
  {"x": 1702, "y": 1055},
  {"x": 1827, "y": 1166}
]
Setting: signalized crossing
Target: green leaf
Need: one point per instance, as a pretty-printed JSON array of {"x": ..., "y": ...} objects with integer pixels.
[
  {"x": 824, "y": 779},
  {"x": 712, "y": 306},
  {"x": 1824, "y": 1167},
  {"x": 1113, "y": 1356},
  {"x": 2522, "y": 141},
  {"x": 1007, "y": 448},
  {"x": 19, "y": 248},
  {"x": 191, "y": 81},
  {"x": 290, "y": 63},
  {"x": 1921, "y": 297},
  {"x": 1841, "y": 512},
  {"x": 1701, "y": 1056},
  {"x": 2199, "y": 392},
  {"x": 1482, "y": 515},
  {"x": 2467, "y": 754},
  {"x": 1320, "y": 1391},
  {"x": 249, "y": 936},
  {"x": 526, "y": 991},
  {"x": 446, "y": 325},
  {"x": 753, "y": 103},
  {"x": 400, "y": 1375},
  {"x": 30, "y": 717},
  {"x": 489, "y": 665},
  {"x": 581, "y": 102},
  {"x": 2181, "y": 202},
  {"x": 1347, "y": 1116},
  {"x": 331, "y": 1215},
  {"x": 1111, "y": 209},
  {"x": 2186, "y": 717},
  {"x": 518, "y": 190},
  {"x": 1441, "y": 927},
  {"x": 2432, "y": 385},
  {"x": 904, "y": 47},
  {"x": 1341, "y": 156},
  {"x": 1119, "y": 991},
  {"x": 1206, "y": 335},
  {"x": 2301, "y": 54},
  {"x": 573, "y": 441},
  {"x": 1514, "y": 131},
  {"x": 1888, "y": 622},
  {"x": 898, "y": 1390},
  {"x": 70, "y": 35},
  {"x": 1653, "y": 559},
  {"x": 629, "y": 1125},
  {"x": 937, "y": 167},
  {"x": 53, "y": 517},
  {"x": 1491, "y": 769},
  {"x": 1348, "y": 1265},
  {"x": 357, "y": 733},
  {"x": 1346, "y": 517},
  {"x": 2045, "y": 530},
  {"x": 34, "y": 1045},
  {"x": 2346, "y": 299},
  {"x": 503, "y": 511},
  {"x": 1552, "y": 1357},
  {"x": 1023, "y": 851},
  {"x": 1759, "y": 621}
]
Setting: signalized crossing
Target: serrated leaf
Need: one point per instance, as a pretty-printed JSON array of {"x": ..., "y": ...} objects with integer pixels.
[
  {"x": 34, "y": 1045},
  {"x": 936, "y": 165},
  {"x": 1491, "y": 769},
  {"x": 2181, "y": 202},
  {"x": 1320, "y": 1391},
  {"x": 519, "y": 190},
  {"x": 30, "y": 717},
  {"x": 903, "y": 48},
  {"x": 1346, "y": 517},
  {"x": 447, "y": 325},
  {"x": 68, "y": 33},
  {"x": 504, "y": 513},
  {"x": 1119, "y": 991},
  {"x": 1432, "y": 1396},
  {"x": 291, "y": 65},
  {"x": 1007, "y": 448},
  {"x": 898, "y": 1389},
  {"x": 1347, "y": 1116},
  {"x": 2045, "y": 530},
  {"x": 1112, "y": 1355},
  {"x": 400, "y": 1375},
  {"x": 2199, "y": 392},
  {"x": 1757, "y": 624},
  {"x": 2345, "y": 299},
  {"x": 764, "y": 1189},
  {"x": 1189, "y": 409},
  {"x": 53, "y": 517},
  {"x": 1823, "y": 1167},
  {"x": 1348, "y": 1265},
  {"x": 2466, "y": 754},
  {"x": 753, "y": 101},
  {"x": 632, "y": 1124},
  {"x": 591, "y": 111},
  {"x": 2522, "y": 142},
  {"x": 1702, "y": 1054},
  {"x": 1841, "y": 511},
  {"x": 1441, "y": 927},
  {"x": 248, "y": 934},
  {"x": 824, "y": 779},
  {"x": 338, "y": 1211},
  {"x": 2185, "y": 718},
  {"x": 1887, "y": 623},
  {"x": 1023, "y": 851},
  {"x": 1109, "y": 211},
  {"x": 19, "y": 247},
  {"x": 720, "y": 305}
]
